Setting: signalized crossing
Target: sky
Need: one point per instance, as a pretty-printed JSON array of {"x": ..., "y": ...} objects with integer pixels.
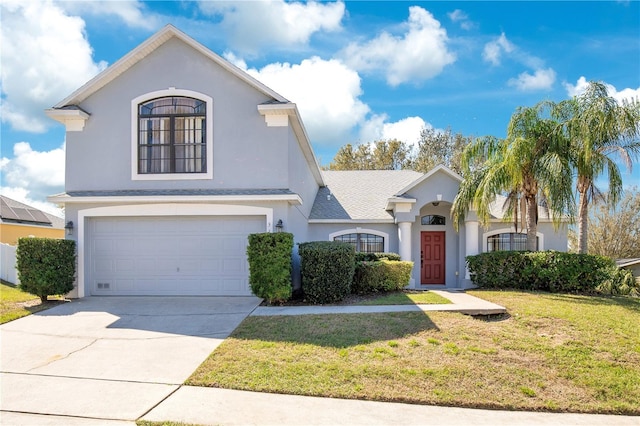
[{"x": 359, "y": 71}]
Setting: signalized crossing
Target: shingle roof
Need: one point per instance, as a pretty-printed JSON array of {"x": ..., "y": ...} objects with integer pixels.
[
  {"x": 12, "y": 211},
  {"x": 359, "y": 195}
]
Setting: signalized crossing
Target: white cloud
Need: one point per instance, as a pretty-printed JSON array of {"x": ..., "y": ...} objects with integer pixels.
[
  {"x": 462, "y": 18},
  {"x": 627, "y": 94},
  {"x": 405, "y": 130},
  {"x": 326, "y": 93},
  {"x": 273, "y": 23},
  {"x": 132, "y": 13},
  {"x": 30, "y": 176},
  {"x": 542, "y": 79},
  {"x": 419, "y": 54},
  {"x": 493, "y": 50},
  {"x": 45, "y": 56}
]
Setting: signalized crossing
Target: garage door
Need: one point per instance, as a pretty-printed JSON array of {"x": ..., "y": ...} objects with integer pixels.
[{"x": 170, "y": 255}]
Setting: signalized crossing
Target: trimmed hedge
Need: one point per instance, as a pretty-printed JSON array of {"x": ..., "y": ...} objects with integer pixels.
[
  {"x": 381, "y": 276},
  {"x": 372, "y": 257},
  {"x": 46, "y": 266},
  {"x": 550, "y": 271},
  {"x": 327, "y": 269},
  {"x": 269, "y": 256}
]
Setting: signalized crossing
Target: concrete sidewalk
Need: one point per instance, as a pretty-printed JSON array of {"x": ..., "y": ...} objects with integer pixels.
[
  {"x": 211, "y": 406},
  {"x": 50, "y": 382}
]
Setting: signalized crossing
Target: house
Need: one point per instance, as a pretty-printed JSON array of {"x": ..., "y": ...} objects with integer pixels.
[
  {"x": 631, "y": 264},
  {"x": 19, "y": 220},
  {"x": 174, "y": 155}
]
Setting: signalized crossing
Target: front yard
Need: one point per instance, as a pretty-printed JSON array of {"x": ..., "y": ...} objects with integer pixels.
[
  {"x": 16, "y": 304},
  {"x": 553, "y": 352}
]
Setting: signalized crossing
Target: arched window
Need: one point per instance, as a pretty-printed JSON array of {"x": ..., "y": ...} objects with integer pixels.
[
  {"x": 366, "y": 243},
  {"x": 508, "y": 241},
  {"x": 433, "y": 219},
  {"x": 172, "y": 135}
]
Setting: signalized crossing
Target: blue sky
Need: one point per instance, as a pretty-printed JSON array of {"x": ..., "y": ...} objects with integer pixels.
[{"x": 359, "y": 71}]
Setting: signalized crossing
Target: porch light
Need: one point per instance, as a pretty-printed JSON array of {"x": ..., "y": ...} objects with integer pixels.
[
  {"x": 69, "y": 227},
  {"x": 279, "y": 226}
]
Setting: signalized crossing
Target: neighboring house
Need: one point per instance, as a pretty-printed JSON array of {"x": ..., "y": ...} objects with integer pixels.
[
  {"x": 174, "y": 155},
  {"x": 631, "y": 264},
  {"x": 19, "y": 220}
]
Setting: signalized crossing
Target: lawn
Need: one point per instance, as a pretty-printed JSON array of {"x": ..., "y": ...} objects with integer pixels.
[
  {"x": 551, "y": 352},
  {"x": 406, "y": 297},
  {"x": 16, "y": 304}
]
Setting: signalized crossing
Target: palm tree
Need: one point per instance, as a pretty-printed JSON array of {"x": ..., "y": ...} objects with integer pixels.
[
  {"x": 599, "y": 128},
  {"x": 529, "y": 166}
]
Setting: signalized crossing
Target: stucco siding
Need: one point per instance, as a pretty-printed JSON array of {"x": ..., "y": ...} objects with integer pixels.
[
  {"x": 9, "y": 232},
  {"x": 246, "y": 153}
]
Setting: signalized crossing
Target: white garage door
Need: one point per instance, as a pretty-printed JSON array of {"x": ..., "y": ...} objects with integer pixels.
[{"x": 170, "y": 255}]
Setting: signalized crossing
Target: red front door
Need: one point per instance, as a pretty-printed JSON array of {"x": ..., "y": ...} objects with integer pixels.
[{"x": 432, "y": 258}]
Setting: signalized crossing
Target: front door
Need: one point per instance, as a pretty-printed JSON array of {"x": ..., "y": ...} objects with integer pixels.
[{"x": 432, "y": 257}]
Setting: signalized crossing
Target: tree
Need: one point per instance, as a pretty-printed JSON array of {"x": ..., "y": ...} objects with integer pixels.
[
  {"x": 529, "y": 166},
  {"x": 437, "y": 147},
  {"x": 380, "y": 155},
  {"x": 599, "y": 128},
  {"x": 614, "y": 231}
]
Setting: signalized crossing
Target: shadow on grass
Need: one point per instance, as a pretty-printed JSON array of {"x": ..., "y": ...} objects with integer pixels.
[
  {"x": 627, "y": 302},
  {"x": 338, "y": 331}
]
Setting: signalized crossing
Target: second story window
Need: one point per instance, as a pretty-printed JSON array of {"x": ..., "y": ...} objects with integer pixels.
[{"x": 172, "y": 136}]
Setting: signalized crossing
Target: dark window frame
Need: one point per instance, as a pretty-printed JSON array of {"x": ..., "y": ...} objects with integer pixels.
[
  {"x": 180, "y": 149},
  {"x": 371, "y": 243},
  {"x": 509, "y": 241},
  {"x": 433, "y": 219}
]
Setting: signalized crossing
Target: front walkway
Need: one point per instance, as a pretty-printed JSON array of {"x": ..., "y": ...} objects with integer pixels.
[{"x": 461, "y": 302}]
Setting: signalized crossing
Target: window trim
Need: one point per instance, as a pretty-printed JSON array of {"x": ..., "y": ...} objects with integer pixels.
[
  {"x": 363, "y": 231},
  {"x": 208, "y": 175},
  {"x": 433, "y": 215},
  {"x": 486, "y": 235}
]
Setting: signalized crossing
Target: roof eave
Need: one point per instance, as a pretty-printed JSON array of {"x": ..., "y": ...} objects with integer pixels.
[
  {"x": 293, "y": 199},
  {"x": 147, "y": 47}
]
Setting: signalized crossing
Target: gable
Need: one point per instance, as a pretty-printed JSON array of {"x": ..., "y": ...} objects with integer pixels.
[
  {"x": 359, "y": 195},
  {"x": 148, "y": 47},
  {"x": 248, "y": 124}
]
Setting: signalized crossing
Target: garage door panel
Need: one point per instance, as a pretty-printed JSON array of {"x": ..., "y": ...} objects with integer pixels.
[{"x": 170, "y": 255}]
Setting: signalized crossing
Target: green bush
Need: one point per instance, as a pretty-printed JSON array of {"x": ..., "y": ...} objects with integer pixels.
[
  {"x": 381, "y": 276},
  {"x": 46, "y": 267},
  {"x": 551, "y": 271},
  {"x": 620, "y": 281},
  {"x": 368, "y": 277},
  {"x": 372, "y": 257},
  {"x": 269, "y": 256},
  {"x": 327, "y": 269},
  {"x": 397, "y": 274}
]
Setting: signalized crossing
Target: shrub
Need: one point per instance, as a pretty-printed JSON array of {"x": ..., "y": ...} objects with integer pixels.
[
  {"x": 381, "y": 276},
  {"x": 269, "y": 256},
  {"x": 397, "y": 274},
  {"x": 46, "y": 266},
  {"x": 372, "y": 257},
  {"x": 327, "y": 269},
  {"x": 620, "y": 281},
  {"x": 368, "y": 277},
  {"x": 551, "y": 271}
]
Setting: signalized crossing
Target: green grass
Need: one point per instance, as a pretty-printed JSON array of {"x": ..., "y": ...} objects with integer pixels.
[
  {"x": 407, "y": 298},
  {"x": 15, "y": 303},
  {"x": 553, "y": 352}
]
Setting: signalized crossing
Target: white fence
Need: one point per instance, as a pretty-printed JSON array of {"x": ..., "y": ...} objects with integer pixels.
[{"x": 8, "y": 264}]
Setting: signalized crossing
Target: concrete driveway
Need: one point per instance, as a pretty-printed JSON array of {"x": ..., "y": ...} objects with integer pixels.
[{"x": 109, "y": 357}]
